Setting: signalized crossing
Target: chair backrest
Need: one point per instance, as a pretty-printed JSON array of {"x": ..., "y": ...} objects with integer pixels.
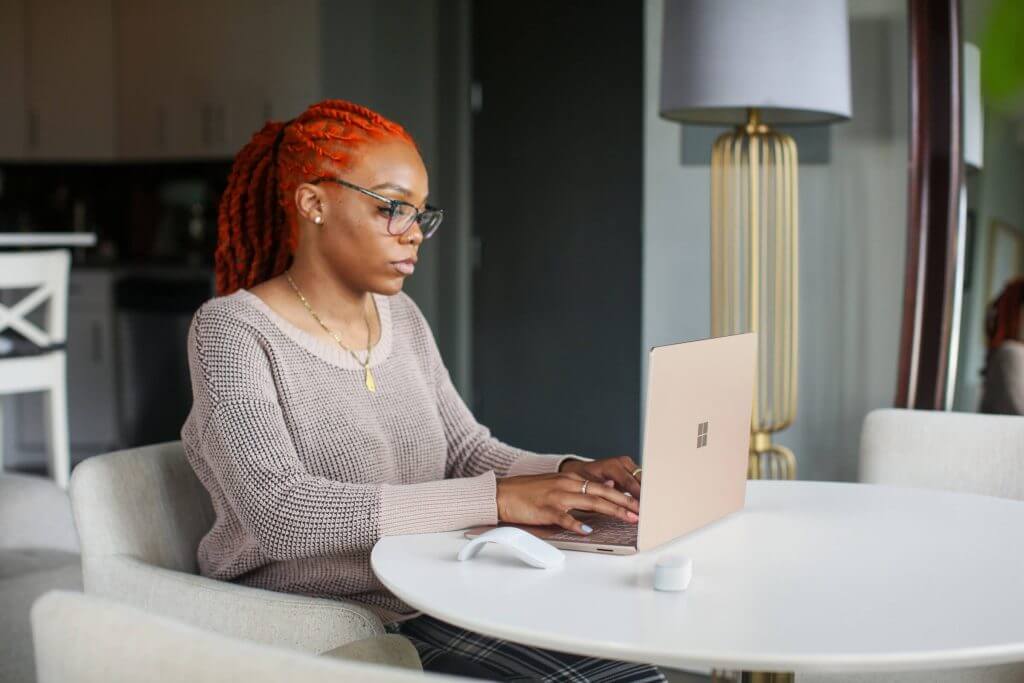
[
  {"x": 87, "y": 639},
  {"x": 145, "y": 503},
  {"x": 46, "y": 273},
  {"x": 967, "y": 452}
]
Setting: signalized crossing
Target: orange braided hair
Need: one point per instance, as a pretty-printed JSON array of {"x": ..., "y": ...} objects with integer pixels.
[
  {"x": 1002, "y": 321},
  {"x": 257, "y": 225}
]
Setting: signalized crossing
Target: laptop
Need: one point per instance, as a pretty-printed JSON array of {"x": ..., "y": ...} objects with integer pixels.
[{"x": 695, "y": 452}]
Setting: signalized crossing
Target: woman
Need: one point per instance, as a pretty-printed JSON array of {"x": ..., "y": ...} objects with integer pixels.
[
  {"x": 1003, "y": 387},
  {"x": 323, "y": 415}
]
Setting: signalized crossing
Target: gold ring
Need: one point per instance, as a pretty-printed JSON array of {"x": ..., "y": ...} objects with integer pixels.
[
  {"x": 637, "y": 471},
  {"x": 586, "y": 482}
]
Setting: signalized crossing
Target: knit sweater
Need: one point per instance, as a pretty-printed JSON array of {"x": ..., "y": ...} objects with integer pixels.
[{"x": 307, "y": 469}]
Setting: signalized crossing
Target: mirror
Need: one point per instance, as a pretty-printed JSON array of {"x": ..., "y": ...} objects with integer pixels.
[{"x": 988, "y": 379}]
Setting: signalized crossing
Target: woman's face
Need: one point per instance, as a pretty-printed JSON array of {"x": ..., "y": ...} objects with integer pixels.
[{"x": 353, "y": 241}]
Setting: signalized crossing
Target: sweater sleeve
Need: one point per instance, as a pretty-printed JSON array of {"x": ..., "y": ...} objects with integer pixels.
[
  {"x": 245, "y": 449},
  {"x": 472, "y": 450}
]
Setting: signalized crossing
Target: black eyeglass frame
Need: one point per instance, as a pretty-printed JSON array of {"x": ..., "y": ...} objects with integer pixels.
[{"x": 393, "y": 205}]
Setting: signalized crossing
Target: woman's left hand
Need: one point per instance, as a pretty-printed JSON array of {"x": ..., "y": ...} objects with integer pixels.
[{"x": 617, "y": 471}]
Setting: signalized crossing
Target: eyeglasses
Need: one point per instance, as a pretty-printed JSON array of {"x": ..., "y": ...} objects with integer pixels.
[{"x": 401, "y": 215}]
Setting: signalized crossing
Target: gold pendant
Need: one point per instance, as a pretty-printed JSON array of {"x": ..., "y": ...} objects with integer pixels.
[{"x": 370, "y": 383}]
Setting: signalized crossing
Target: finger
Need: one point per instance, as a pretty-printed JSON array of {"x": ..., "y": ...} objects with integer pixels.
[
  {"x": 572, "y": 482},
  {"x": 624, "y": 478},
  {"x": 631, "y": 466},
  {"x": 604, "y": 474},
  {"x": 615, "y": 496},
  {"x": 594, "y": 488},
  {"x": 602, "y": 506},
  {"x": 567, "y": 521},
  {"x": 628, "y": 462}
]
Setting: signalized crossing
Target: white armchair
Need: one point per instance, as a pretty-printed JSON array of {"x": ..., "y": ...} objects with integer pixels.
[
  {"x": 140, "y": 515},
  {"x": 38, "y": 553},
  {"x": 82, "y": 639},
  {"x": 966, "y": 452}
]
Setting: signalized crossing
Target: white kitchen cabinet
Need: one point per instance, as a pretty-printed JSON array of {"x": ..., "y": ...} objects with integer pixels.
[
  {"x": 149, "y": 94},
  {"x": 92, "y": 361},
  {"x": 69, "y": 84},
  {"x": 169, "y": 59},
  {"x": 283, "y": 50},
  {"x": 14, "y": 110},
  {"x": 138, "y": 80},
  {"x": 197, "y": 79}
]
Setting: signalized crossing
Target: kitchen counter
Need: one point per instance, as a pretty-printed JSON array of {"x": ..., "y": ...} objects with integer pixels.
[
  {"x": 47, "y": 239},
  {"x": 166, "y": 271}
]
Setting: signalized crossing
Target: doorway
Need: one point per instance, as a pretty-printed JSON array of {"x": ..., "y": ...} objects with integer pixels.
[{"x": 557, "y": 209}]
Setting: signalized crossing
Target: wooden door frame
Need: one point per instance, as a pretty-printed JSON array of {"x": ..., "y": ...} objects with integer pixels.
[{"x": 935, "y": 207}]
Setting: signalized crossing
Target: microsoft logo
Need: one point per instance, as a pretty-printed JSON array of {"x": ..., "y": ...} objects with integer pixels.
[{"x": 702, "y": 435}]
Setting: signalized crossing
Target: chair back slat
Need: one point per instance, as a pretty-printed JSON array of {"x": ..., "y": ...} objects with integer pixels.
[{"x": 46, "y": 273}]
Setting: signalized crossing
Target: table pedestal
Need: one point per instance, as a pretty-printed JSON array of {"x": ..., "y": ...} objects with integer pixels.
[
  {"x": 750, "y": 677},
  {"x": 762, "y": 677}
]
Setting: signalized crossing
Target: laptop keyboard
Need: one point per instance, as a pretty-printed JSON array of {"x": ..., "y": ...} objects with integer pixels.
[{"x": 607, "y": 530}]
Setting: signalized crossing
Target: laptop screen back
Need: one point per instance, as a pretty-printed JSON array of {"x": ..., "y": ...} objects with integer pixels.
[{"x": 696, "y": 435}]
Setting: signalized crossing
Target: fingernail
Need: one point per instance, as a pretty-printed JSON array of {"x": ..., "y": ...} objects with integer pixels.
[
  {"x": 610, "y": 482},
  {"x": 632, "y": 516},
  {"x": 586, "y": 529}
]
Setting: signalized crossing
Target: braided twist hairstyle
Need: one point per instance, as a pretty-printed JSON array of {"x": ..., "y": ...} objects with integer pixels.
[
  {"x": 1003, "y": 318},
  {"x": 257, "y": 223}
]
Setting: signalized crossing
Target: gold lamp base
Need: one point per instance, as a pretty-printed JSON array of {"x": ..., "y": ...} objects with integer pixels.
[
  {"x": 768, "y": 460},
  {"x": 754, "y": 256}
]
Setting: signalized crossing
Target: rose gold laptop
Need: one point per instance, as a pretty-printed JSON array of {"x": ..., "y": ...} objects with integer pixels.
[{"x": 696, "y": 444}]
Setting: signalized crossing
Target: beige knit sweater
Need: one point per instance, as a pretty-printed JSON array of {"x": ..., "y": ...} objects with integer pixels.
[{"x": 307, "y": 469}]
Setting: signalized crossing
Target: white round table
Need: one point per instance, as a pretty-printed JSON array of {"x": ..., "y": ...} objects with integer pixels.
[{"x": 809, "y": 576}]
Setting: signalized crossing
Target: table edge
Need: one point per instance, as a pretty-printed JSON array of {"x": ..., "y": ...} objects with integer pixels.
[{"x": 822, "y": 663}]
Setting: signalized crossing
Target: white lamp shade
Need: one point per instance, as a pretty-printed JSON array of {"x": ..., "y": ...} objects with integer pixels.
[
  {"x": 790, "y": 58},
  {"x": 974, "y": 119}
]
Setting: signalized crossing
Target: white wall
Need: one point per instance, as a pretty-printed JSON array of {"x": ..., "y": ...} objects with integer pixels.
[{"x": 852, "y": 234}]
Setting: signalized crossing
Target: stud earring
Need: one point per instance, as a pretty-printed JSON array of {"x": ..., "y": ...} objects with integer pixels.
[{"x": 318, "y": 220}]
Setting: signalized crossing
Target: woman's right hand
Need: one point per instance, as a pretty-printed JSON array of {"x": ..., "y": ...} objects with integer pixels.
[{"x": 544, "y": 499}]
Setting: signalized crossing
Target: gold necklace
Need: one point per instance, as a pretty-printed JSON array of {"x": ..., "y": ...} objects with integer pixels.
[{"x": 370, "y": 383}]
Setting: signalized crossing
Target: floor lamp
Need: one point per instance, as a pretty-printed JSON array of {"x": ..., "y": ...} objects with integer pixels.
[{"x": 754, "y": 64}]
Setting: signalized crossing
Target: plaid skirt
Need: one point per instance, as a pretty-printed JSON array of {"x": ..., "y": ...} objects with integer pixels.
[{"x": 445, "y": 648}]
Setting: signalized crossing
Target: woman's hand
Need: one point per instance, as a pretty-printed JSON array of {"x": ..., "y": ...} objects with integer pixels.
[
  {"x": 618, "y": 470},
  {"x": 547, "y": 498}
]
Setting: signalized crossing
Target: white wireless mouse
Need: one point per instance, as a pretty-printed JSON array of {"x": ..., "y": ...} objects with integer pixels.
[{"x": 526, "y": 547}]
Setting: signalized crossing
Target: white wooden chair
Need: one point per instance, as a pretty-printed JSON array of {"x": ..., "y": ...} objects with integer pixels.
[{"x": 42, "y": 367}]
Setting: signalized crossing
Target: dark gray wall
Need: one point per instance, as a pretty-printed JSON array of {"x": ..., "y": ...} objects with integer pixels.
[
  {"x": 557, "y": 207},
  {"x": 409, "y": 60},
  {"x": 384, "y": 55}
]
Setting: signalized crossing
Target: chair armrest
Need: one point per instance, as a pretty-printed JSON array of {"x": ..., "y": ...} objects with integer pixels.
[
  {"x": 295, "y": 622},
  {"x": 390, "y": 649}
]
